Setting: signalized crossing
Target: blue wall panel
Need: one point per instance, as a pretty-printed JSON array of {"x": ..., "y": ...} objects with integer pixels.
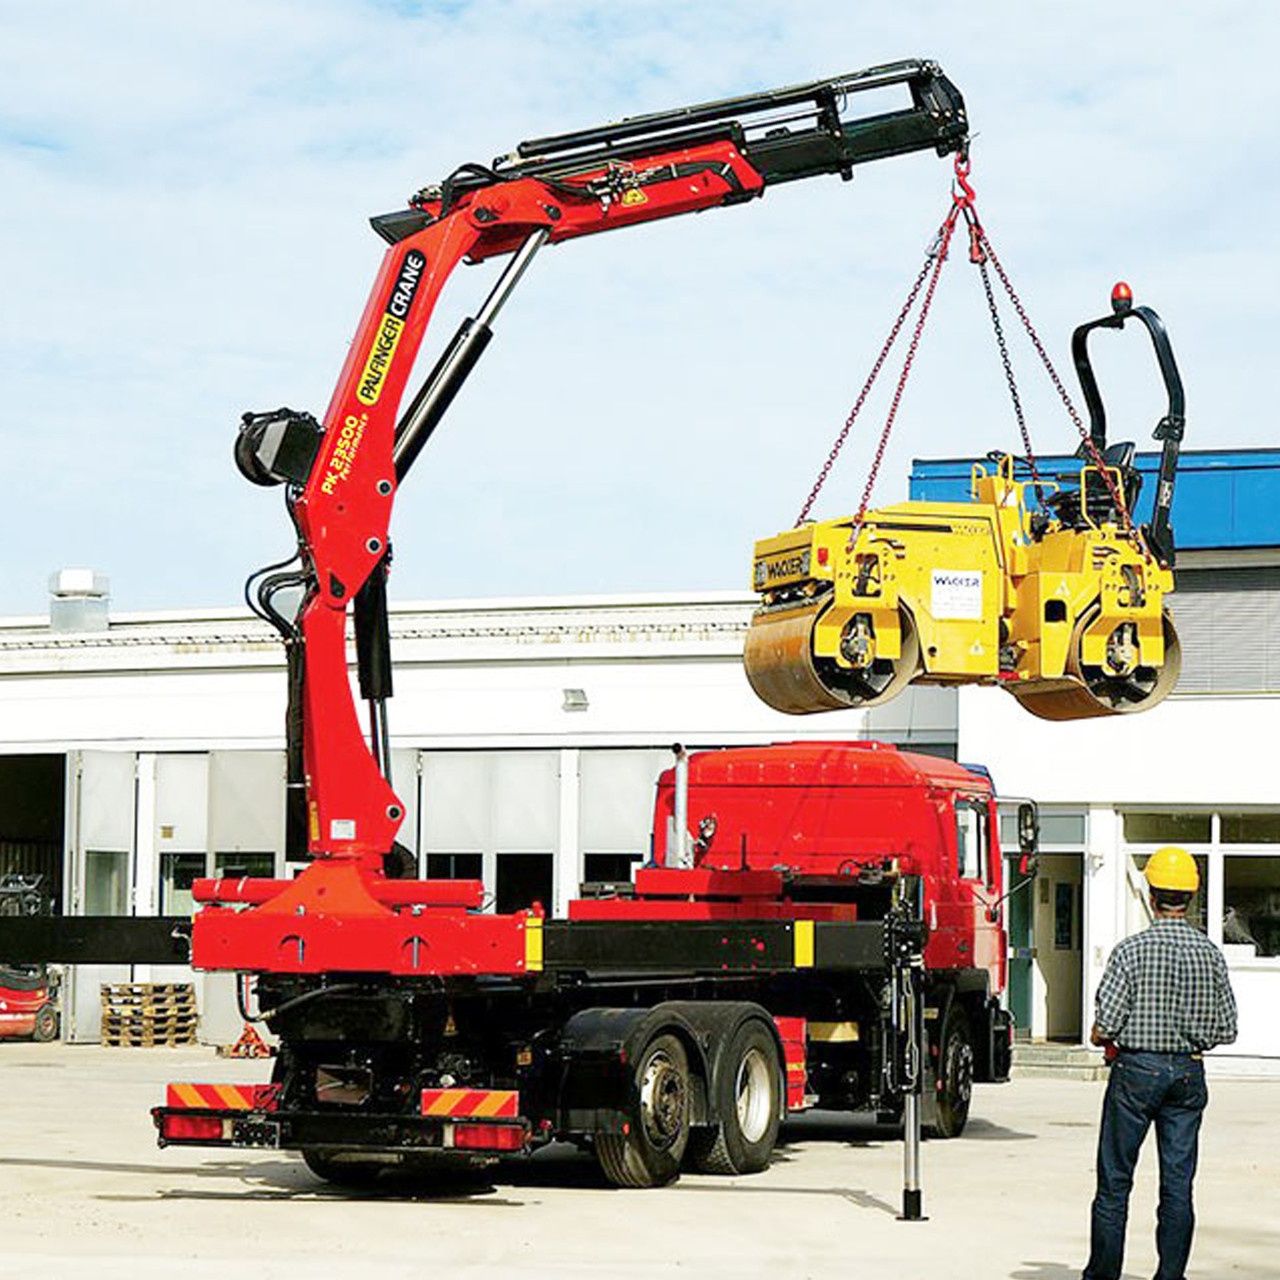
[{"x": 1223, "y": 498}]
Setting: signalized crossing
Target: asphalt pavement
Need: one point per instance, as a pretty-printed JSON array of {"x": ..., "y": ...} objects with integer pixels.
[{"x": 86, "y": 1193}]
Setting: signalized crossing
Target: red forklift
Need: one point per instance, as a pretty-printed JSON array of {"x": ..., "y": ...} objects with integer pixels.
[{"x": 28, "y": 992}]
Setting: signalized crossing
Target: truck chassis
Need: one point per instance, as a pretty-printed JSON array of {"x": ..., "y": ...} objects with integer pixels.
[{"x": 656, "y": 1044}]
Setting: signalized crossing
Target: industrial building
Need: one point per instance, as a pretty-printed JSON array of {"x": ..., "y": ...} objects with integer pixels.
[{"x": 141, "y": 751}]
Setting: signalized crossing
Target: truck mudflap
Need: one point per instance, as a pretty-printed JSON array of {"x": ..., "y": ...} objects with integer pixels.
[
  {"x": 478, "y": 1121},
  {"x": 993, "y": 1045}
]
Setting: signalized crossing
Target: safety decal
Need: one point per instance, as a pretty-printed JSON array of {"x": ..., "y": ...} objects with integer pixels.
[
  {"x": 802, "y": 934},
  {"x": 220, "y": 1097},
  {"x": 387, "y": 339},
  {"x": 634, "y": 196},
  {"x": 956, "y": 594},
  {"x": 533, "y": 944},
  {"x": 458, "y": 1104}
]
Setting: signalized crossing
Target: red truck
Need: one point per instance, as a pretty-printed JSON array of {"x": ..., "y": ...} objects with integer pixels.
[{"x": 751, "y": 970}]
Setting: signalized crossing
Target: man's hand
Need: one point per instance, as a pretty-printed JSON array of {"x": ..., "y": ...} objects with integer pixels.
[{"x": 1108, "y": 1046}]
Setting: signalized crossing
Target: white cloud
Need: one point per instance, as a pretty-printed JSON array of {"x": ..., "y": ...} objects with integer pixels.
[{"x": 183, "y": 236}]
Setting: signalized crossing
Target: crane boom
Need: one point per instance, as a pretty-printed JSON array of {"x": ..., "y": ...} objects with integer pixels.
[{"x": 341, "y": 473}]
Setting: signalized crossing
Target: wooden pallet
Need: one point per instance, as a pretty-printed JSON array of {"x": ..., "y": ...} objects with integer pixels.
[
  {"x": 144, "y": 989},
  {"x": 147, "y": 1024},
  {"x": 147, "y": 1014},
  {"x": 134, "y": 999},
  {"x": 140, "y": 1008},
  {"x": 146, "y": 1040}
]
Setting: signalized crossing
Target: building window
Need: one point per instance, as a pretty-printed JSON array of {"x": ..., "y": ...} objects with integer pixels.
[
  {"x": 106, "y": 883},
  {"x": 1250, "y": 828},
  {"x": 1055, "y": 828},
  {"x": 455, "y": 866},
  {"x": 610, "y": 868},
  {"x": 1168, "y": 828},
  {"x": 523, "y": 879},
  {"x": 1251, "y": 904},
  {"x": 236, "y": 866},
  {"x": 178, "y": 872}
]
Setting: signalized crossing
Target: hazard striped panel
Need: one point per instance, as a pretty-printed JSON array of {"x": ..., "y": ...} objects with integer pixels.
[
  {"x": 459, "y": 1104},
  {"x": 223, "y": 1097}
]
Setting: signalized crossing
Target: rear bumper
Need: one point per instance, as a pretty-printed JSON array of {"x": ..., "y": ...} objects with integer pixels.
[{"x": 335, "y": 1130}]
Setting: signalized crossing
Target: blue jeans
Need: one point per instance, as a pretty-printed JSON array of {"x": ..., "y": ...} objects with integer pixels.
[{"x": 1166, "y": 1089}]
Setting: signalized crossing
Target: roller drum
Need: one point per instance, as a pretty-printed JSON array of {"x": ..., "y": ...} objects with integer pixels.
[
  {"x": 1090, "y": 691},
  {"x": 787, "y": 675}
]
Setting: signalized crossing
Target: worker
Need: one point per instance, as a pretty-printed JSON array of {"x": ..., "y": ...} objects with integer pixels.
[{"x": 1164, "y": 999}]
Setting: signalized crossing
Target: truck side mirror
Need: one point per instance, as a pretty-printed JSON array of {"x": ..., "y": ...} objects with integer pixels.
[{"x": 1028, "y": 837}]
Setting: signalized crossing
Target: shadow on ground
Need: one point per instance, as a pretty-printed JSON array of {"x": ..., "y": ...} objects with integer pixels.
[
  {"x": 559, "y": 1166},
  {"x": 1055, "y": 1271}
]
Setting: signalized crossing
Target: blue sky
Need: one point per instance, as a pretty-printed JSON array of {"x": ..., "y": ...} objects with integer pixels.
[{"x": 183, "y": 237}]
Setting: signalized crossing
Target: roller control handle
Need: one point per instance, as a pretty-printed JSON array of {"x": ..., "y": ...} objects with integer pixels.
[{"x": 1169, "y": 430}]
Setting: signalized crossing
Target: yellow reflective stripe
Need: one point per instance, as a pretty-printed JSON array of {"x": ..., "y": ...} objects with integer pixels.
[
  {"x": 445, "y": 1103},
  {"x": 802, "y": 932},
  {"x": 189, "y": 1094},
  {"x": 493, "y": 1102},
  {"x": 533, "y": 944},
  {"x": 232, "y": 1098}
]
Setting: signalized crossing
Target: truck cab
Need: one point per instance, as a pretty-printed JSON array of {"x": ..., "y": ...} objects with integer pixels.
[{"x": 843, "y": 822}]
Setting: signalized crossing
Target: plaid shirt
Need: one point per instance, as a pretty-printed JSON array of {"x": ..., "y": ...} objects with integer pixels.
[{"x": 1166, "y": 990}]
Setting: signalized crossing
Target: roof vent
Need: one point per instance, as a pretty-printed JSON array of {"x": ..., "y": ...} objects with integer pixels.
[{"x": 78, "y": 600}]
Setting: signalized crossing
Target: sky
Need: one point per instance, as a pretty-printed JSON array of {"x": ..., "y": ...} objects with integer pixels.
[{"x": 183, "y": 236}]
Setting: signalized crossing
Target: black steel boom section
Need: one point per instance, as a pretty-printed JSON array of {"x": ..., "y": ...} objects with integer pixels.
[{"x": 801, "y": 131}]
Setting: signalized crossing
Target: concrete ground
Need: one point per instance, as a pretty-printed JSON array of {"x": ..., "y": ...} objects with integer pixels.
[{"x": 84, "y": 1192}]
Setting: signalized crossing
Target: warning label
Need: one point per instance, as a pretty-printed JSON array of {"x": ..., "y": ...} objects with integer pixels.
[{"x": 956, "y": 594}]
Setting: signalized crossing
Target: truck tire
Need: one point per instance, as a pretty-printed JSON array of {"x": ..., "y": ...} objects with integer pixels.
[
  {"x": 955, "y": 1075},
  {"x": 46, "y": 1027},
  {"x": 746, "y": 1101},
  {"x": 648, "y": 1154}
]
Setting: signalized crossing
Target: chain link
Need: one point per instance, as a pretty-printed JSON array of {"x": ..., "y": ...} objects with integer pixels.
[
  {"x": 870, "y": 382},
  {"x": 981, "y": 251},
  {"x": 976, "y": 231},
  {"x": 939, "y": 261},
  {"x": 1090, "y": 448}
]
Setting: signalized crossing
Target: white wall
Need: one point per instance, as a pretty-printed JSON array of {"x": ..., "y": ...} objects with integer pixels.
[
  {"x": 1190, "y": 752},
  {"x": 1187, "y": 751}
]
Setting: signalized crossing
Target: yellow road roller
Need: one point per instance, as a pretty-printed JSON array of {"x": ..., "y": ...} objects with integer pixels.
[{"x": 1060, "y": 600}]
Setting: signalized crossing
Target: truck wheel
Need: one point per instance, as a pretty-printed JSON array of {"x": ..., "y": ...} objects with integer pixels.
[
  {"x": 353, "y": 1174},
  {"x": 649, "y": 1153},
  {"x": 46, "y": 1027},
  {"x": 747, "y": 1102},
  {"x": 955, "y": 1075}
]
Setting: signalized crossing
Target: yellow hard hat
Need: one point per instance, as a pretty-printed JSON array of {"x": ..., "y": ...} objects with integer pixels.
[{"x": 1173, "y": 868}]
